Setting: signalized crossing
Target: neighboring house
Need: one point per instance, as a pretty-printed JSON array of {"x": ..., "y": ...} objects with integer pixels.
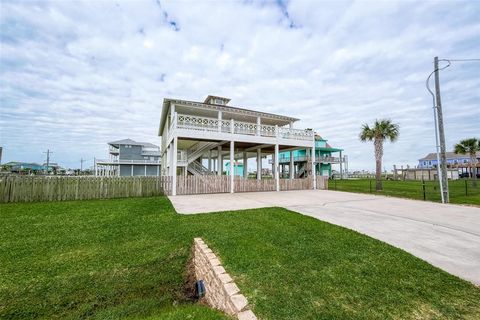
[
  {"x": 53, "y": 167},
  {"x": 453, "y": 160},
  {"x": 300, "y": 161},
  {"x": 130, "y": 158},
  {"x": 24, "y": 166},
  {"x": 238, "y": 168},
  {"x": 214, "y": 131}
]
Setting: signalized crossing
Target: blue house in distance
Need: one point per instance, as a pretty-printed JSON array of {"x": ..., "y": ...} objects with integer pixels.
[
  {"x": 237, "y": 168},
  {"x": 453, "y": 160}
]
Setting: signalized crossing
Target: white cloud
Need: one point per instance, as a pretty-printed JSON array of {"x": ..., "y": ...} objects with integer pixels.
[{"x": 76, "y": 75}]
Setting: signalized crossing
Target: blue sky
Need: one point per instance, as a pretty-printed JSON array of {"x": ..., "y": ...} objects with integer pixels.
[{"x": 75, "y": 75}]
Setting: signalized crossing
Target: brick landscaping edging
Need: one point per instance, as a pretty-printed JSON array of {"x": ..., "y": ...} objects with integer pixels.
[{"x": 221, "y": 292}]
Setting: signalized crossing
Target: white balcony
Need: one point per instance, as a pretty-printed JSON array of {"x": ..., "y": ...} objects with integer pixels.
[
  {"x": 196, "y": 123},
  {"x": 148, "y": 162},
  {"x": 307, "y": 158},
  {"x": 113, "y": 150}
]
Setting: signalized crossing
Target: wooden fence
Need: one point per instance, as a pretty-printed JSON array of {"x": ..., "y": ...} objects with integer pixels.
[
  {"x": 253, "y": 185},
  {"x": 202, "y": 184},
  {"x": 28, "y": 189},
  {"x": 221, "y": 184}
]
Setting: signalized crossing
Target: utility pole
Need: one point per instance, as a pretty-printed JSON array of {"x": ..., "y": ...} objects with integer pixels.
[
  {"x": 48, "y": 152},
  {"x": 441, "y": 132},
  {"x": 81, "y": 164}
]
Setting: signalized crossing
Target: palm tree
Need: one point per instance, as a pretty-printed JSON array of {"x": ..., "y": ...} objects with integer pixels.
[
  {"x": 382, "y": 130},
  {"x": 471, "y": 147}
]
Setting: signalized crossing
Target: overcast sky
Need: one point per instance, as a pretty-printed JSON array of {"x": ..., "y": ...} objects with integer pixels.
[{"x": 75, "y": 75}]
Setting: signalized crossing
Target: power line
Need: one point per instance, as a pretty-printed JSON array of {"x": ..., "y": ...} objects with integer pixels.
[{"x": 466, "y": 60}]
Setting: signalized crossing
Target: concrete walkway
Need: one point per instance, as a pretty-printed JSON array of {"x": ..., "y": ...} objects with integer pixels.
[{"x": 447, "y": 236}]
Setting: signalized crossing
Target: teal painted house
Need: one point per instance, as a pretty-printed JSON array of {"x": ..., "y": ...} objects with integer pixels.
[
  {"x": 238, "y": 168},
  {"x": 325, "y": 157}
]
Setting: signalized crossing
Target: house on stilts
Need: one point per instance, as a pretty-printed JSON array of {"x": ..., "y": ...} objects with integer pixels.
[{"x": 197, "y": 138}]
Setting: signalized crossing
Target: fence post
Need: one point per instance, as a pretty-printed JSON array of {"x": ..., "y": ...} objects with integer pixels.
[
  {"x": 466, "y": 188},
  {"x": 423, "y": 188}
]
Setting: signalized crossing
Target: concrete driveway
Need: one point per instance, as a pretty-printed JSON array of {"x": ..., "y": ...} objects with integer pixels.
[{"x": 447, "y": 236}]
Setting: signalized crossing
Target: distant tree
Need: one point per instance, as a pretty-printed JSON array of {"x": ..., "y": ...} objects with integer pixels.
[
  {"x": 471, "y": 147},
  {"x": 380, "y": 131}
]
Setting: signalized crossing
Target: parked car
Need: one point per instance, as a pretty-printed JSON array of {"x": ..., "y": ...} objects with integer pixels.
[{"x": 467, "y": 175}]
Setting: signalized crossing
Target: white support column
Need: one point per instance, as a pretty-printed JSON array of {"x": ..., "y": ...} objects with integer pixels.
[
  {"x": 259, "y": 123},
  {"x": 219, "y": 161},
  {"x": 131, "y": 170},
  {"x": 232, "y": 161},
  {"x": 273, "y": 165},
  {"x": 174, "y": 166},
  {"x": 232, "y": 126},
  {"x": 172, "y": 112},
  {"x": 145, "y": 171},
  {"x": 277, "y": 173},
  {"x": 219, "y": 121},
  {"x": 291, "y": 168},
  {"x": 245, "y": 165},
  {"x": 314, "y": 174},
  {"x": 209, "y": 160},
  {"x": 259, "y": 164},
  {"x": 158, "y": 171}
]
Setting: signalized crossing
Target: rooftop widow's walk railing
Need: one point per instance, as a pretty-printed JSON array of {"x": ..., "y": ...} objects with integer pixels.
[{"x": 191, "y": 122}]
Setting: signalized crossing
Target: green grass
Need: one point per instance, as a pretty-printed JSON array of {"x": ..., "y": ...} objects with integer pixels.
[
  {"x": 126, "y": 258},
  {"x": 461, "y": 191}
]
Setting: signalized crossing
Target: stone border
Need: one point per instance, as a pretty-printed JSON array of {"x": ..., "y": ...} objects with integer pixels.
[{"x": 221, "y": 292}]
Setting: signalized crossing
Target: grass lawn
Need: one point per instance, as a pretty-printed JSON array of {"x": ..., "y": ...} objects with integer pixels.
[
  {"x": 461, "y": 191},
  {"x": 125, "y": 258}
]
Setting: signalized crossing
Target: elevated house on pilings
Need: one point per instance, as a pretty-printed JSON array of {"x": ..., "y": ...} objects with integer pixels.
[
  {"x": 325, "y": 156},
  {"x": 197, "y": 137},
  {"x": 129, "y": 158}
]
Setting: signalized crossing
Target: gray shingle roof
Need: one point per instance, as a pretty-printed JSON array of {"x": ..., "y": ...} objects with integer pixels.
[
  {"x": 450, "y": 155},
  {"x": 133, "y": 143}
]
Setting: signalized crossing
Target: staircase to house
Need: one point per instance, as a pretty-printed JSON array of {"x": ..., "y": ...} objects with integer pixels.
[
  {"x": 305, "y": 170},
  {"x": 198, "y": 169},
  {"x": 194, "y": 166}
]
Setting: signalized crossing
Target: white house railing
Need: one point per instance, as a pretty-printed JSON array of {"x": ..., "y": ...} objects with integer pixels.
[
  {"x": 115, "y": 161},
  {"x": 325, "y": 159},
  {"x": 191, "y": 122}
]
